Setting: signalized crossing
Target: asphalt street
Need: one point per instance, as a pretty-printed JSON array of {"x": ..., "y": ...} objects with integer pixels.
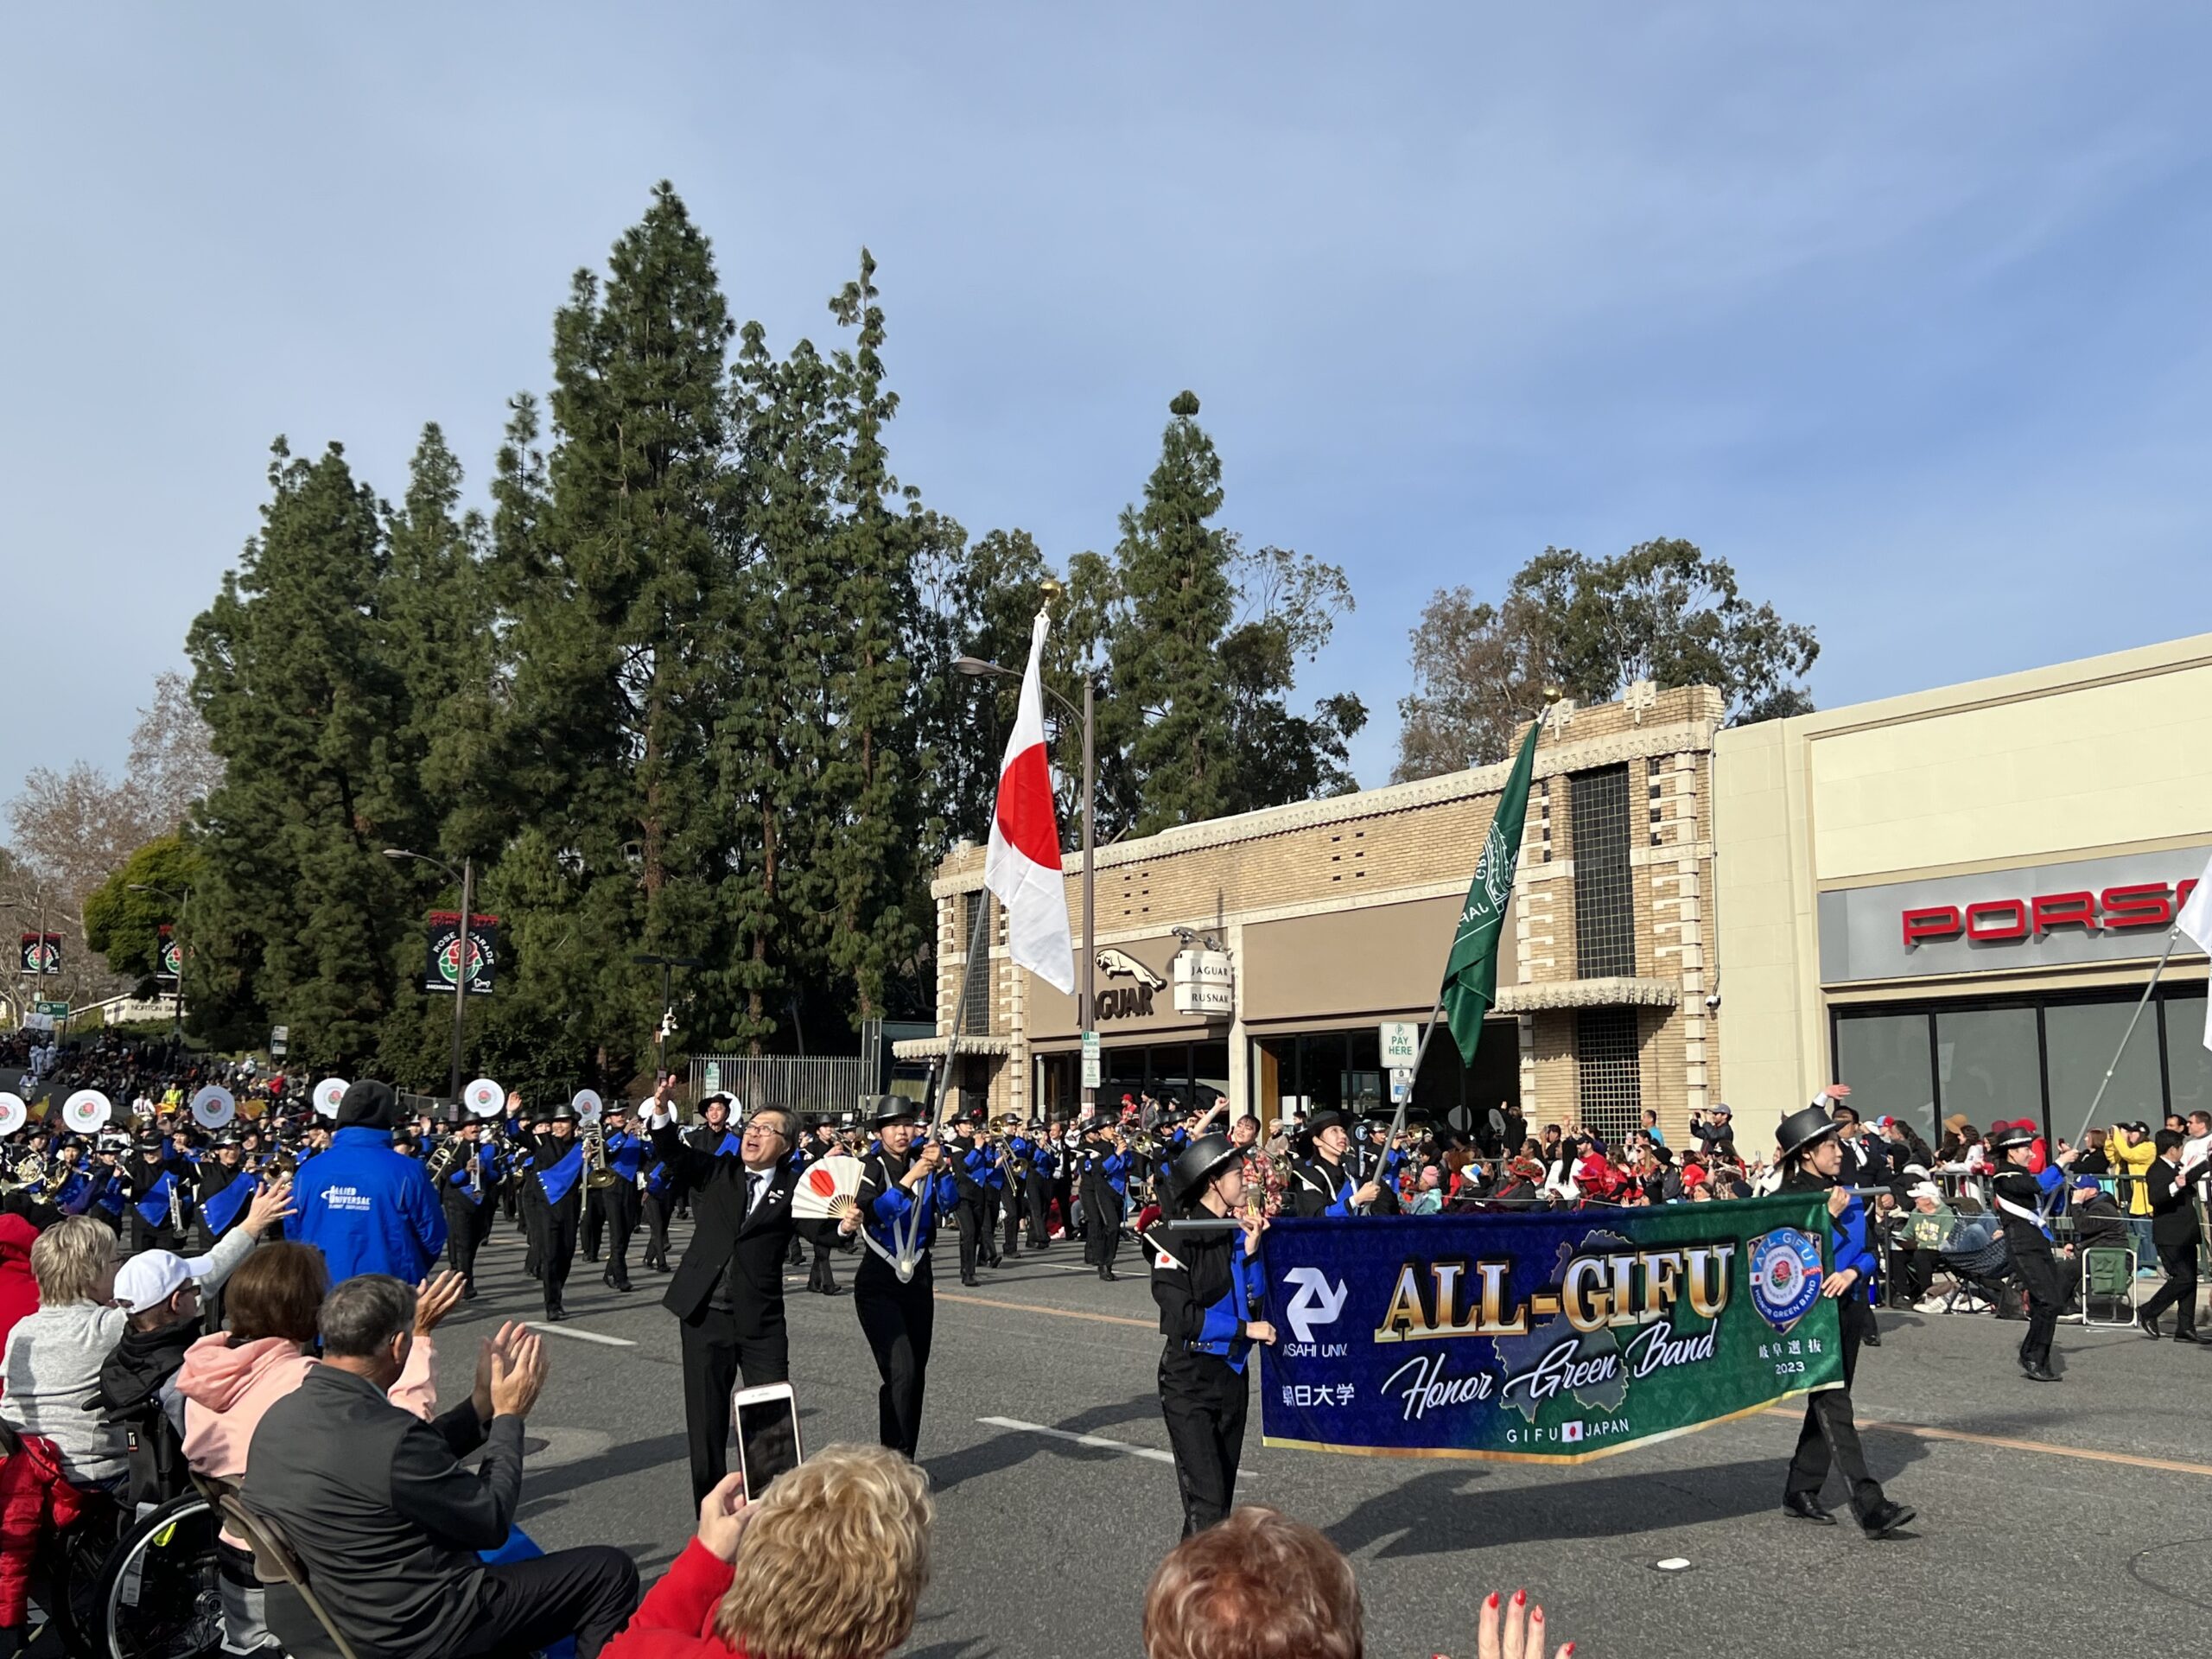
[{"x": 2067, "y": 1516}]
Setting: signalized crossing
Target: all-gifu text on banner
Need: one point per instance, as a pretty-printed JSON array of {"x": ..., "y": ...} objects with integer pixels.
[{"x": 1556, "y": 1336}]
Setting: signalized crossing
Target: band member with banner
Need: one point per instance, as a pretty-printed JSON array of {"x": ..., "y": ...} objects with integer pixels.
[
  {"x": 616, "y": 1201},
  {"x": 1102, "y": 1174},
  {"x": 1320, "y": 1184},
  {"x": 2026, "y": 1199},
  {"x": 160, "y": 1213},
  {"x": 1208, "y": 1285},
  {"x": 727, "y": 1291},
  {"x": 367, "y": 1208},
  {"x": 894, "y": 1214},
  {"x": 469, "y": 1186},
  {"x": 557, "y": 1161},
  {"x": 1812, "y": 1156}
]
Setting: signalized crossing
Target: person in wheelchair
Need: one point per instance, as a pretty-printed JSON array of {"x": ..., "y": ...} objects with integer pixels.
[{"x": 136, "y": 1392}]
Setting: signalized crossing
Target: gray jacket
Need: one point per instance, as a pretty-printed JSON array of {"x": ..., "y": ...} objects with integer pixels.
[{"x": 386, "y": 1519}]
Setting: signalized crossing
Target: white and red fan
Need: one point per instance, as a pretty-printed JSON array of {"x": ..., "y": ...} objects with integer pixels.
[
  {"x": 214, "y": 1107},
  {"x": 329, "y": 1095},
  {"x": 825, "y": 1189},
  {"x": 86, "y": 1110}
]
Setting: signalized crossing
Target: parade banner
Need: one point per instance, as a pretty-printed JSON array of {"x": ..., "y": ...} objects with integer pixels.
[
  {"x": 42, "y": 954},
  {"x": 170, "y": 962},
  {"x": 1554, "y": 1336},
  {"x": 445, "y": 951}
]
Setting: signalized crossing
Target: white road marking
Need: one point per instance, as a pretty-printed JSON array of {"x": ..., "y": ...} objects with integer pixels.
[
  {"x": 1098, "y": 1442},
  {"x": 582, "y": 1335}
]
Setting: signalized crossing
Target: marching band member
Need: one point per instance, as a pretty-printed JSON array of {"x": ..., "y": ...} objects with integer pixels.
[
  {"x": 1037, "y": 1192},
  {"x": 1208, "y": 1286},
  {"x": 969, "y": 1167},
  {"x": 1809, "y": 1148},
  {"x": 728, "y": 1292},
  {"x": 1320, "y": 1183},
  {"x": 656, "y": 1198},
  {"x": 1103, "y": 1175},
  {"x": 899, "y": 1194},
  {"x": 469, "y": 1192},
  {"x": 558, "y": 1161},
  {"x": 2024, "y": 1198},
  {"x": 159, "y": 1212},
  {"x": 821, "y": 1142},
  {"x": 618, "y": 1202}
]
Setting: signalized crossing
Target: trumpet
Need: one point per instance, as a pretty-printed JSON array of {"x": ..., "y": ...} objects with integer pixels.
[{"x": 442, "y": 1160}]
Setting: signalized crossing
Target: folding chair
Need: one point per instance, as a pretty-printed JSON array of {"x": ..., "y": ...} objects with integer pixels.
[
  {"x": 2109, "y": 1270},
  {"x": 294, "y": 1615}
]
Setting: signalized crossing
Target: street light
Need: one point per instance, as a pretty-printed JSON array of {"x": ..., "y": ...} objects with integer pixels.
[
  {"x": 464, "y": 953},
  {"x": 977, "y": 668},
  {"x": 180, "y": 900}
]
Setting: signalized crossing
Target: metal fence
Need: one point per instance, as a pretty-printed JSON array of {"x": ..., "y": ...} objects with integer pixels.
[{"x": 811, "y": 1085}]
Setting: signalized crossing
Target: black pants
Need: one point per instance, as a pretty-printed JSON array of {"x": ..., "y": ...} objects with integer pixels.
[
  {"x": 1915, "y": 1273},
  {"x": 1038, "y": 1193},
  {"x": 558, "y": 1250},
  {"x": 1202, "y": 1401},
  {"x": 714, "y": 1357},
  {"x": 588, "y": 1593},
  {"x": 2046, "y": 1286},
  {"x": 1010, "y": 1208},
  {"x": 139, "y": 1234},
  {"x": 898, "y": 1320},
  {"x": 533, "y": 1232},
  {"x": 822, "y": 1276},
  {"x": 593, "y": 1220},
  {"x": 1102, "y": 1227},
  {"x": 619, "y": 1205},
  {"x": 466, "y": 1223},
  {"x": 654, "y": 1208},
  {"x": 2179, "y": 1292},
  {"x": 1831, "y": 1433},
  {"x": 968, "y": 1217}
]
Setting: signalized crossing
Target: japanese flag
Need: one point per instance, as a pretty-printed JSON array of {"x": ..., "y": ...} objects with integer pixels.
[
  {"x": 2195, "y": 921},
  {"x": 1022, "y": 865}
]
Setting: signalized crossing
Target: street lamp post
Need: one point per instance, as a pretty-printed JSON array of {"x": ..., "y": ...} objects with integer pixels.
[
  {"x": 182, "y": 901},
  {"x": 464, "y": 951},
  {"x": 977, "y": 668}
]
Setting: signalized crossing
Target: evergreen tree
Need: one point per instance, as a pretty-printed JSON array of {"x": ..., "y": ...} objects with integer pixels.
[
  {"x": 1171, "y": 700},
  {"x": 300, "y": 916}
]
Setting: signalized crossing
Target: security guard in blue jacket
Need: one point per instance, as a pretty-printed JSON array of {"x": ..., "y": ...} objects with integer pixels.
[
  {"x": 1210, "y": 1289},
  {"x": 1812, "y": 1156},
  {"x": 367, "y": 1208},
  {"x": 902, "y": 1188}
]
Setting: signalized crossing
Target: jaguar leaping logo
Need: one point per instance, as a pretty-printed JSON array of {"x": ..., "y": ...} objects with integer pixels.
[{"x": 1119, "y": 965}]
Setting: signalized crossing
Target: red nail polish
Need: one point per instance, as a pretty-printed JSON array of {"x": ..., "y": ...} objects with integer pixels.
[
  {"x": 1519, "y": 1597},
  {"x": 1492, "y": 1603},
  {"x": 1568, "y": 1650}
]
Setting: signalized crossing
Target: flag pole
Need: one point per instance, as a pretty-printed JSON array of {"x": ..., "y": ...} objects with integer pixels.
[
  {"x": 2173, "y": 937},
  {"x": 978, "y": 944}
]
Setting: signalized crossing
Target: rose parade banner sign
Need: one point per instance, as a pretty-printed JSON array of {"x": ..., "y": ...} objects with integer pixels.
[{"x": 1552, "y": 1337}]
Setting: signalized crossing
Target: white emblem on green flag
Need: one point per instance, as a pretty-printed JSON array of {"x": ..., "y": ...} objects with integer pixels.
[{"x": 1470, "y": 971}]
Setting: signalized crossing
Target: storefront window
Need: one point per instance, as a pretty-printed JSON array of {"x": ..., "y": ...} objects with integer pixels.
[
  {"x": 2080, "y": 1040},
  {"x": 1209, "y": 1073},
  {"x": 2189, "y": 1063},
  {"x": 1986, "y": 1063},
  {"x": 1884, "y": 1057},
  {"x": 1323, "y": 1065}
]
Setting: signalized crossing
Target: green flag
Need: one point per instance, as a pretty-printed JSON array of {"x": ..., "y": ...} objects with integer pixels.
[{"x": 1470, "y": 971}]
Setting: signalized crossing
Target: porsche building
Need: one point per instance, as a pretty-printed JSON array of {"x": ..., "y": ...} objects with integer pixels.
[
  {"x": 1953, "y": 901},
  {"x": 1260, "y": 956}
]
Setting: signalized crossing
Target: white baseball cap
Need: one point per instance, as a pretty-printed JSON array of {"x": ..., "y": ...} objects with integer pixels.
[{"x": 150, "y": 1279}]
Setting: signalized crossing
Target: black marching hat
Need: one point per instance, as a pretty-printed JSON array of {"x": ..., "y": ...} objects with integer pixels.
[
  {"x": 1328, "y": 1119},
  {"x": 1198, "y": 1162},
  {"x": 2014, "y": 1135},
  {"x": 885, "y": 1110},
  {"x": 1801, "y": 1129}
]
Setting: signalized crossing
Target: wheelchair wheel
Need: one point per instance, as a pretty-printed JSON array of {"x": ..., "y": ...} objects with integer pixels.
[{"x": 160, "y": 1594}]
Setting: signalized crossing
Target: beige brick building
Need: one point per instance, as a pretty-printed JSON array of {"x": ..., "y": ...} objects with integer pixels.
[{"x": 1335, "y": 916}]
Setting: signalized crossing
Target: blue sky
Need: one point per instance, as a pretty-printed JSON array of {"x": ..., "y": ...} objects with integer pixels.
[{"x": 1900, "y": 309}]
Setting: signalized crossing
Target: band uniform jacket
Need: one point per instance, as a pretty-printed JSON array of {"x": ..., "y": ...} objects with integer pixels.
[{"x": 753, "y": 1247}]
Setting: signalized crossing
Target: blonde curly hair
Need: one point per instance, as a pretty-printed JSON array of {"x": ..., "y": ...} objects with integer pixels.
[{"x": 833, "y": 1560}]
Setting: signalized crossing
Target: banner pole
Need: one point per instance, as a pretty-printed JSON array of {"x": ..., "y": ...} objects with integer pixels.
[
  {"x": 2172, "y": 938},
  {"x": 978, "y": 944}
]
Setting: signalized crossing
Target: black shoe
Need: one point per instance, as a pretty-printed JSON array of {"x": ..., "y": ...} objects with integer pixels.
[
  {"x": 1886, "y": 1519},
  {"x": 624, "y": 1286},
  {"x": 831, "y": 1290},
  {"x": 970, "y": 1280},
  {"x": 1109, "y": 1275},
  {"x": 2151, "y": 1334},
  {"x": 469, "y": 1293},
  {"x": 2038, "y": 1373},
  {"x": 1872, "y": 1339},
  {"x": 2185, "y": 1336},
  {"x": 554, "y": 1315},
  {"x": 1806, "y": 1506},
  {"x": 608, "y": 1278},
  {"x": 591, "y": 1256}
]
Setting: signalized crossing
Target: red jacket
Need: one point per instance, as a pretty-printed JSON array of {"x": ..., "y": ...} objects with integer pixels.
[
  {"x": 35, "y": 1499},
  {"x": 676, "y": 1619},
  {"x": 18, "y": 1290}
]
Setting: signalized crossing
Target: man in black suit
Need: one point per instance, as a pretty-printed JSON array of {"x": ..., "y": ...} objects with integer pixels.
[
  {"x": 2173, "y": 1234},
  {"x": 728, "y": 1288}
]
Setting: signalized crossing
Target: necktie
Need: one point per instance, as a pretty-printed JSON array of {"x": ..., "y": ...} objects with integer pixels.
[{"x": 755, "y": 1184}]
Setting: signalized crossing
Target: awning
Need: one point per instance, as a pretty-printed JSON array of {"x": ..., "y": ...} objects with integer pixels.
[
  {"x": 1589, "y": 994},
  {"x": 937, "y": 1048}
]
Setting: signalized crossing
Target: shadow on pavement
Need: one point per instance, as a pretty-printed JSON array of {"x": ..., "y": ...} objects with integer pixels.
[
  {"x": 1012, "y": 1447},
  {"x": 627, "y": 1458}
]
